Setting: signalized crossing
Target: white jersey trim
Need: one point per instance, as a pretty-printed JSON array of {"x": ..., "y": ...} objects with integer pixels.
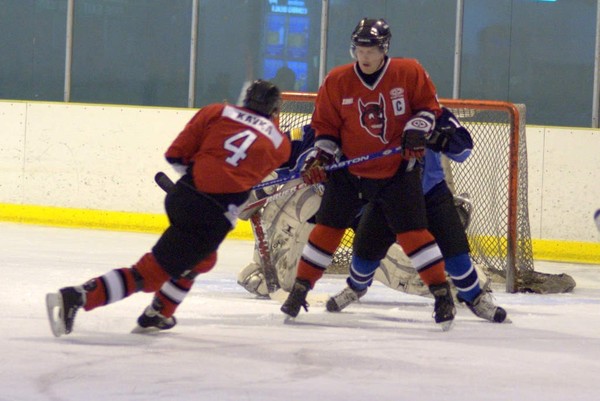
[
  {"x": 384, "y": 69},
  {"x": 259, "y": 123}
]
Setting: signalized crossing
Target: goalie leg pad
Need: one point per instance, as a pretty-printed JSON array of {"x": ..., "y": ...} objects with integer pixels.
[
  {"x": 287, "y": 229},
  {"x": 396, "y": 272},
  {"x": 485, "y": 282},
  {"x": 287, "y": 256},
  {"x": 253, "y": 280}
]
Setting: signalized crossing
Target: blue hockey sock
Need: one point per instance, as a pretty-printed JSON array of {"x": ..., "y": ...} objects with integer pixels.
[
  {"x": 361, "y": 272},
  {"x": 464, "y": 276}
]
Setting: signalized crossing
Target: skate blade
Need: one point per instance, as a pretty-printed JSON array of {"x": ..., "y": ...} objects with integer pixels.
[
  {"x": 54, "y": 308},
  {"x": 289, "y": 319},
  {"x": 145, "y": 330},
  {"x": 447, "y": 325}
]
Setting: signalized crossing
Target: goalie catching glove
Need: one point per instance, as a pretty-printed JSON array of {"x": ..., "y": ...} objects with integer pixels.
[
  {"x": 445, "y": 128},
  {"x": 322, "y": 155},
  {"x": 416, "y": 132},
  {"x": 439, "y": 140}
]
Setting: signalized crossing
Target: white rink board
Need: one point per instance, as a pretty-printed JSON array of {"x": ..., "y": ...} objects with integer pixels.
[
  {"x": 92, "y": 157},
  {"x": 571, "y": 189},
  {"x": 12, "y": 151},
  {"x": 104, "y": 157}
]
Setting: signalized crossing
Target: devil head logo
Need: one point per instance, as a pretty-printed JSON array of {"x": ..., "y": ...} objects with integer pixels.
[{"x": 372, "y": 118}]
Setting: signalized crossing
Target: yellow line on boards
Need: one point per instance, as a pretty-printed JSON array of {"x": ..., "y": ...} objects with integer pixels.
[
  {"x": 99, "y": 219},
  {"x": 551, "y": 250}
]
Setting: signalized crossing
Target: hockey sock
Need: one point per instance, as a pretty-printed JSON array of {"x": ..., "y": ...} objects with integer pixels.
[
  {"x": 361, "y": 273},
  {"x": 204, "y": 266},
  {"x": 424, "y": 254},
  {"x": 464, "y": 276},
  {"x": 146, "y": 275},
  {"x": 173, "y": 292},
  {"x": 111, "y": 287},
  {"x": 154, "y": 275},
  {"x": 317, "y": 255}
]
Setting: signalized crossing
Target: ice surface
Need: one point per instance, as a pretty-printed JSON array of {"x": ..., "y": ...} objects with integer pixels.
[{"x": 229, "y": 345}]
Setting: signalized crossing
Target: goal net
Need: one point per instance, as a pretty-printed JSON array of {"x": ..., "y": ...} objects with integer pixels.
[{"x": 494, "y": 178}]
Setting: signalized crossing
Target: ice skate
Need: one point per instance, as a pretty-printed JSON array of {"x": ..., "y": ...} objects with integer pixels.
[
  {"x": 152, "y": 320},
  {"x": 296, "y": 299},
  {"x": 344, "y": 298},
  {"x": 62, "y": 308},
  {"x": 484, "y": 307},
  {"x": 444, "y": 309}
]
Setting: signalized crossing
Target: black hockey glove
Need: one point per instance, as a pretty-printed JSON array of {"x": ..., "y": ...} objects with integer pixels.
[{"x": 439, "y": 140}]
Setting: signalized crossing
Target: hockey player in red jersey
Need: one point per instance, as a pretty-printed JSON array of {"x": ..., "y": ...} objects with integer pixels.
[
  {"x": 373, "y": 104},
  {"x": 223, "y": 152},
  {"x": 159, "y": 315}
]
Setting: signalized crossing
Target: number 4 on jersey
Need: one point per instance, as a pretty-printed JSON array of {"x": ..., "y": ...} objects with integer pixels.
[{"x": 238, "y": 145}]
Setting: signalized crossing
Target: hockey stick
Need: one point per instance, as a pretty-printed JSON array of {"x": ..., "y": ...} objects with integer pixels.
[
  {"x": 166, "y": 184},
  {"x": 281, "y": 193},
  {"x": 271, "y": 279},
  {"x": 335, "y": 166}
]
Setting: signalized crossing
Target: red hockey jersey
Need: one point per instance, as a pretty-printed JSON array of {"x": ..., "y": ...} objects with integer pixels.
[
  {"x": 364, "y": 119},
  {"x": 232, "y": 148}
]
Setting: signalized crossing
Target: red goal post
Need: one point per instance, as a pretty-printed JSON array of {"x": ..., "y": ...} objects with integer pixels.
[{"x": 494, "y": 178}]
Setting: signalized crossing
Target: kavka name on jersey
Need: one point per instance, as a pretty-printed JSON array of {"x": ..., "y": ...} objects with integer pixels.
[{"x": 259, "y": 123}]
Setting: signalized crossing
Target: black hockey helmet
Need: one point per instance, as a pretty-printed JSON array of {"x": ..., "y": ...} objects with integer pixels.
[
  {"x": 263, "y": 97},
  {"x": 371, "y": 32}
]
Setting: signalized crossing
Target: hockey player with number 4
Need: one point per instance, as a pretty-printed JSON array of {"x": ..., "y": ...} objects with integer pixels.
[
  {"x": 223, "y": 152},
  {"x": 373, "y": 104},
  {"x": 160, "y": 314}
]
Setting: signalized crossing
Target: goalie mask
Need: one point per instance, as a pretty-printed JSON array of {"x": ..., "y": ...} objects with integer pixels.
[
  {"x": 263, "y": 97},
  {"x": 369, "y": 33}
]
